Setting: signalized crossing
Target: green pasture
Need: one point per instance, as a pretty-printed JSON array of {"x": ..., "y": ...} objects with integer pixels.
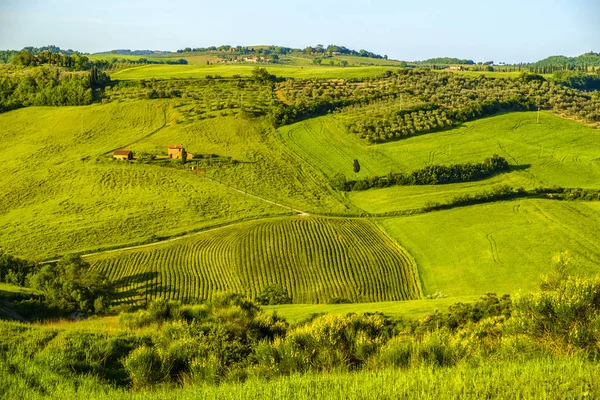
[
  {"x": 316, "y": 260},
  {"x": 191, "y": 58},
  {"x": 245, "y": 70},
  {"x": 556, "y": 151},
  {"x": 64, "y": 193},
  {"x": 500, "y": 247},
  {"x": 259, "y": 163},
  {"x": 414, "y": 309}
]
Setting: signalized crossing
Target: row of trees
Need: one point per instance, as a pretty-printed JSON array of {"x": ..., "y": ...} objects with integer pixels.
[{"x": 430, "y": 175}]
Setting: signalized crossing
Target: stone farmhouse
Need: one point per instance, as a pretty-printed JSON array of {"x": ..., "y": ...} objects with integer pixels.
[{"x": 175, "y": 151}]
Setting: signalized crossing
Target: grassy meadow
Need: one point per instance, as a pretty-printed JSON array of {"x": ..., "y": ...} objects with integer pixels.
[
  {"x": 556, "y": 151},
  {"x": 64, "y": 193},
  {"x": 316, "y": 260},
  {"x": 245, "y": 70},
  {"x": 410, "y": 309},
  {"x": 499, "y": 247}
]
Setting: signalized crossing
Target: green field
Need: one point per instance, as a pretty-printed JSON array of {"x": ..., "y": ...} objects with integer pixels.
[
  {"x": 554, "y": 152},
  {"x": 64, "y": 193},
  {"x": 245, "y": 70},
  {"x": 412, "y": 309},
  {"x": 501, "y": 247},
  {"x": 314, "y": 259}
]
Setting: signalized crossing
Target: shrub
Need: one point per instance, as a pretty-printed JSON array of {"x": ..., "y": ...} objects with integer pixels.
[
  {"x": 272, "y": 295},
  {"x": 144, "y": 367}
]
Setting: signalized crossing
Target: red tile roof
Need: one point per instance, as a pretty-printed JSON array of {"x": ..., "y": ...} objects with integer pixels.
[{"x": 122, "y": 152}]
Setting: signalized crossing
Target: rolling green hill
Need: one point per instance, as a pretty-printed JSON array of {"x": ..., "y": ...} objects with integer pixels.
[
  {"x": 62, "y": 192},
  {"x": 554, "y": 152},
  {"x": 314, "y": 259},
  {"x": 501, "y": 247},
  {"x": 228, "y": 71}
]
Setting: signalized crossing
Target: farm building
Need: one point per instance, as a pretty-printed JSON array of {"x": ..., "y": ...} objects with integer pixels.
[
  {"x": 175, "y": 150},
  {"x": 123, "y": 155}
]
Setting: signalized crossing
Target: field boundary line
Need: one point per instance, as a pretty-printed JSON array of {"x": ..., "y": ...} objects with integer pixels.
[
  {"x": 172, "y": 238},
  {"x": 145, "y": 136},
  {"x": 408, "y": 255},
  {"x": 235, "y": 189}
]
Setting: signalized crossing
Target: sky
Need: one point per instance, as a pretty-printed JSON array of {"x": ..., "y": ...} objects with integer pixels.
[{"x": 499, "y": 31}]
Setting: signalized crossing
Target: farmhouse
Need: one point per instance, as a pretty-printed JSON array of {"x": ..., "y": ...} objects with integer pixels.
[
  {"x": 123, "y": 155},
  {"x": 456, "y": 68},
  {"x": 175, "y": 150}
]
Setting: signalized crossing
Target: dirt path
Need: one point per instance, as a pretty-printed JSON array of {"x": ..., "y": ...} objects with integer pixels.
[{"x": 299, "y": 212}]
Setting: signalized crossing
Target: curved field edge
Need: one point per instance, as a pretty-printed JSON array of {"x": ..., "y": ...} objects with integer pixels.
[
  {"x": 315, "y": 259},
  {"x": 501, "y": 247}
]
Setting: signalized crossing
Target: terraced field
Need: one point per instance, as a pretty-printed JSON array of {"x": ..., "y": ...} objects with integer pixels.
[{"x": 316, "y": 259}]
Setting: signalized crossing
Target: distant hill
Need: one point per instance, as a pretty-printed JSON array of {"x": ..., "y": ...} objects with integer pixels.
[
  {"x": 446, "y": 61},
  {"x": 134, "y": 52},
  {"x": 590, "y": 59}
]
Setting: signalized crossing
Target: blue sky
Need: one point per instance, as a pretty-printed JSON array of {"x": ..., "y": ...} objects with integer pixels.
[{"x": 508, "y": 30}]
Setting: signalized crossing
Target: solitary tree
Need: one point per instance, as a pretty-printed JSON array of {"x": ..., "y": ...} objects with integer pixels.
[
  {"x": 183, "y": 156},
  {"x": 356, "y": 166}
]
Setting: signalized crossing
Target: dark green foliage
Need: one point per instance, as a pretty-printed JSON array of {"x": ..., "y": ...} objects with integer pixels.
[
  {"x": 447, "y": 99},
  {"x": 356, "y": 166},
  {"x": 13, "y": 270},
  {"x": 70, "y": 285},
  {"x": 433, "y": 175},
  {"x": 262, "y": 75},
  {"x": 447, "y": 61},
  {"x": 273, "y": 294},
  {"x": 566, "y": 313},
  {"x": 578, "y": 79},
  {"x": 44, "y": 86}
]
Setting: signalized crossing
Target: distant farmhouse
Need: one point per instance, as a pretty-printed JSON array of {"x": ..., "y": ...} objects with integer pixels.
[
  {"x": 123, "y": 155},
  {"x": 176, "y": 151}
]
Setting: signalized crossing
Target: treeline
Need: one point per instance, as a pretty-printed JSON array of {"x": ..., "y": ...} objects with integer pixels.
[
  {"x": 241, "y": 50},
  {"x": 66, "y": 286},
  {"x": 47, "y": 86},
  {"x": 430, "y": 175},
  {"x": 507, "y": 192},
  {"x": 446, "y": 61},
  {"x": 330, "y": 50},
  {"x": 121, "y": 63},
  {"x": 335, "y": 50},
  {"x": 77, "y": 62},
  {"x": 583, "y": 62},
  {"x": 578, "y": 80}
]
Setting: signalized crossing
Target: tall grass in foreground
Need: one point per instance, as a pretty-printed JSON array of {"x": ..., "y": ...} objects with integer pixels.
[{"x": 543, "y": 378}]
